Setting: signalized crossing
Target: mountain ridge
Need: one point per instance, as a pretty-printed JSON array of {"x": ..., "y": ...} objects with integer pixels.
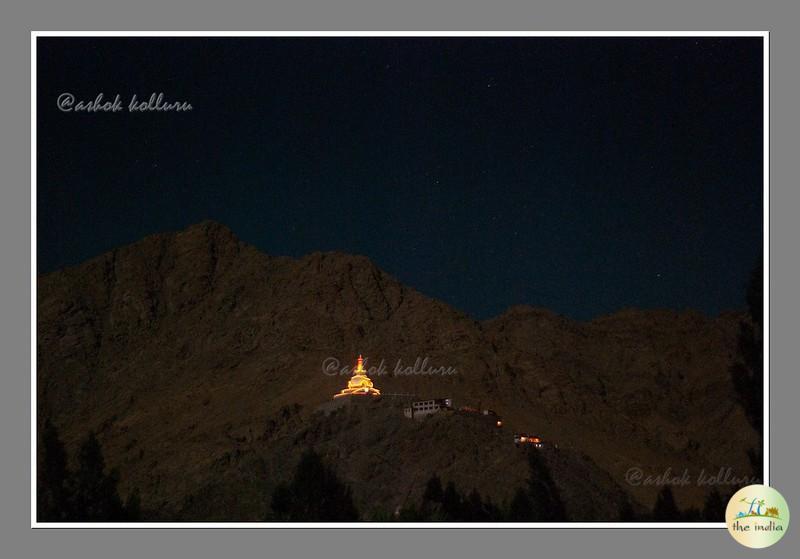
[{"x": 170, "y": 346}]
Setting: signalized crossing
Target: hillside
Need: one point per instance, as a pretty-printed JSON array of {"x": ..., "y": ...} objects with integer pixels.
[
  {"x": 387, "y": 460},
  {"x": 183, "y": 351}
]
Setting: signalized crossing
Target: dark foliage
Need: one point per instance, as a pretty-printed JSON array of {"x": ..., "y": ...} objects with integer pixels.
[
  {"x": 88, "y": 494},
  {"x": 692, "y": 514},
  {"x": 538, "y": 501},
  {"x": 433, "y": 490},
  {"x": 520, "y": 508},
  {"x": 94, "y": 492},
  {"x": 133, "y": 506},
  {"x": 52, "y": 495},
  {"x": 665, "y": 509},
  {"x": 543, "y": 492},
  {"x": 714, "y": 507},
  {"x": 748, "y": 372},
  {"x": 476, "y": 509},
  {"x": 626, "y": 512},
  {"x": 314, "y": 494},
  {"x": 452, "y": 505}
]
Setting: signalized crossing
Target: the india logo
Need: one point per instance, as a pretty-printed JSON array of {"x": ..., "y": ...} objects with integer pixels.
[{"x": 757, "y": 516}]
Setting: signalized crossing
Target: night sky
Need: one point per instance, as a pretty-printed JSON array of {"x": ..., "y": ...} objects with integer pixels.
[{"x": 579, "y": 175}]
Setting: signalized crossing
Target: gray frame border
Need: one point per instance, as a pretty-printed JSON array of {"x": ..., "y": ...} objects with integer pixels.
[{"x": 16, "y": 537}]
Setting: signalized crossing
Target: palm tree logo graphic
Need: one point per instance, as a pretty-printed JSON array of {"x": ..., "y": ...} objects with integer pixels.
[{"x": 771, "y": 512}]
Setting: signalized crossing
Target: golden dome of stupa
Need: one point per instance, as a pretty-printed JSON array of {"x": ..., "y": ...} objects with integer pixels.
[{"x": 359, "y": 384}]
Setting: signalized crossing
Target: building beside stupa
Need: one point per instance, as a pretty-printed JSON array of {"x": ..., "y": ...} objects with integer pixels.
[{"x": 359, "y": 384}]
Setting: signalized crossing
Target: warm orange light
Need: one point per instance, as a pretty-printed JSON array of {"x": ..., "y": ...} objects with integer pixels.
[
  {"x": 359, "y": 384},
  {"x": 360, "y": 366}
]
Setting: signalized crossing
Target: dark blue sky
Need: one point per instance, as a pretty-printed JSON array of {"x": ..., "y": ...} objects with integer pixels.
[{"x": 580, "y": 175}]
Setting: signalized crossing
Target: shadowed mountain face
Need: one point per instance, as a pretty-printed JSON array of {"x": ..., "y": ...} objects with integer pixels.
[{"x": 187, "y": 352}]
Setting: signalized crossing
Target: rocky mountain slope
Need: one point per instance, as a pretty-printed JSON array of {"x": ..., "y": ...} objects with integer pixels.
[{"x": 185, "y": 350}]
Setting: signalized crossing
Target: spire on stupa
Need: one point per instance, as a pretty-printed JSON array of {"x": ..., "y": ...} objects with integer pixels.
[
  {"x": 359, "y": 384},
  {"x": 360, "y": 365}
]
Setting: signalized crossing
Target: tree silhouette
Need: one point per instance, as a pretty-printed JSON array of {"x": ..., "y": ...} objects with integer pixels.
[
  {"x": 475, "y": 509},
  {"x": 665, "y": 509},
  {"x": 692, "y": 514},
  {"x": 626, "y": 512},
  {"x": 87, "y": 494},
  {"x": 433, "y": 490},
  {"x": 714, "y": 507},
  {"x": 133, "y": 506},
  {"x": 520, "y": 508},
  {"x": 452, "y": 507},
  {"x": 314, "y": 494},
  {"x": 94, "y": 492},
  {"x": 449, "y": 504},
  {"x": 52, "y": 495},
  {"x": 540, "y": 499},
  {"x": 748, "y": 372},
  {"x": 542, "y": 490}
]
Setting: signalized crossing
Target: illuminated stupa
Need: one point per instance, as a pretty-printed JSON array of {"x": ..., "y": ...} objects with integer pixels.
[{"x": 359, "y": 384}]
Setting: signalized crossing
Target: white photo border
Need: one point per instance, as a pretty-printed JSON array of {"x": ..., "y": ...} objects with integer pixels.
[{"x": 395, "y": 525}]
